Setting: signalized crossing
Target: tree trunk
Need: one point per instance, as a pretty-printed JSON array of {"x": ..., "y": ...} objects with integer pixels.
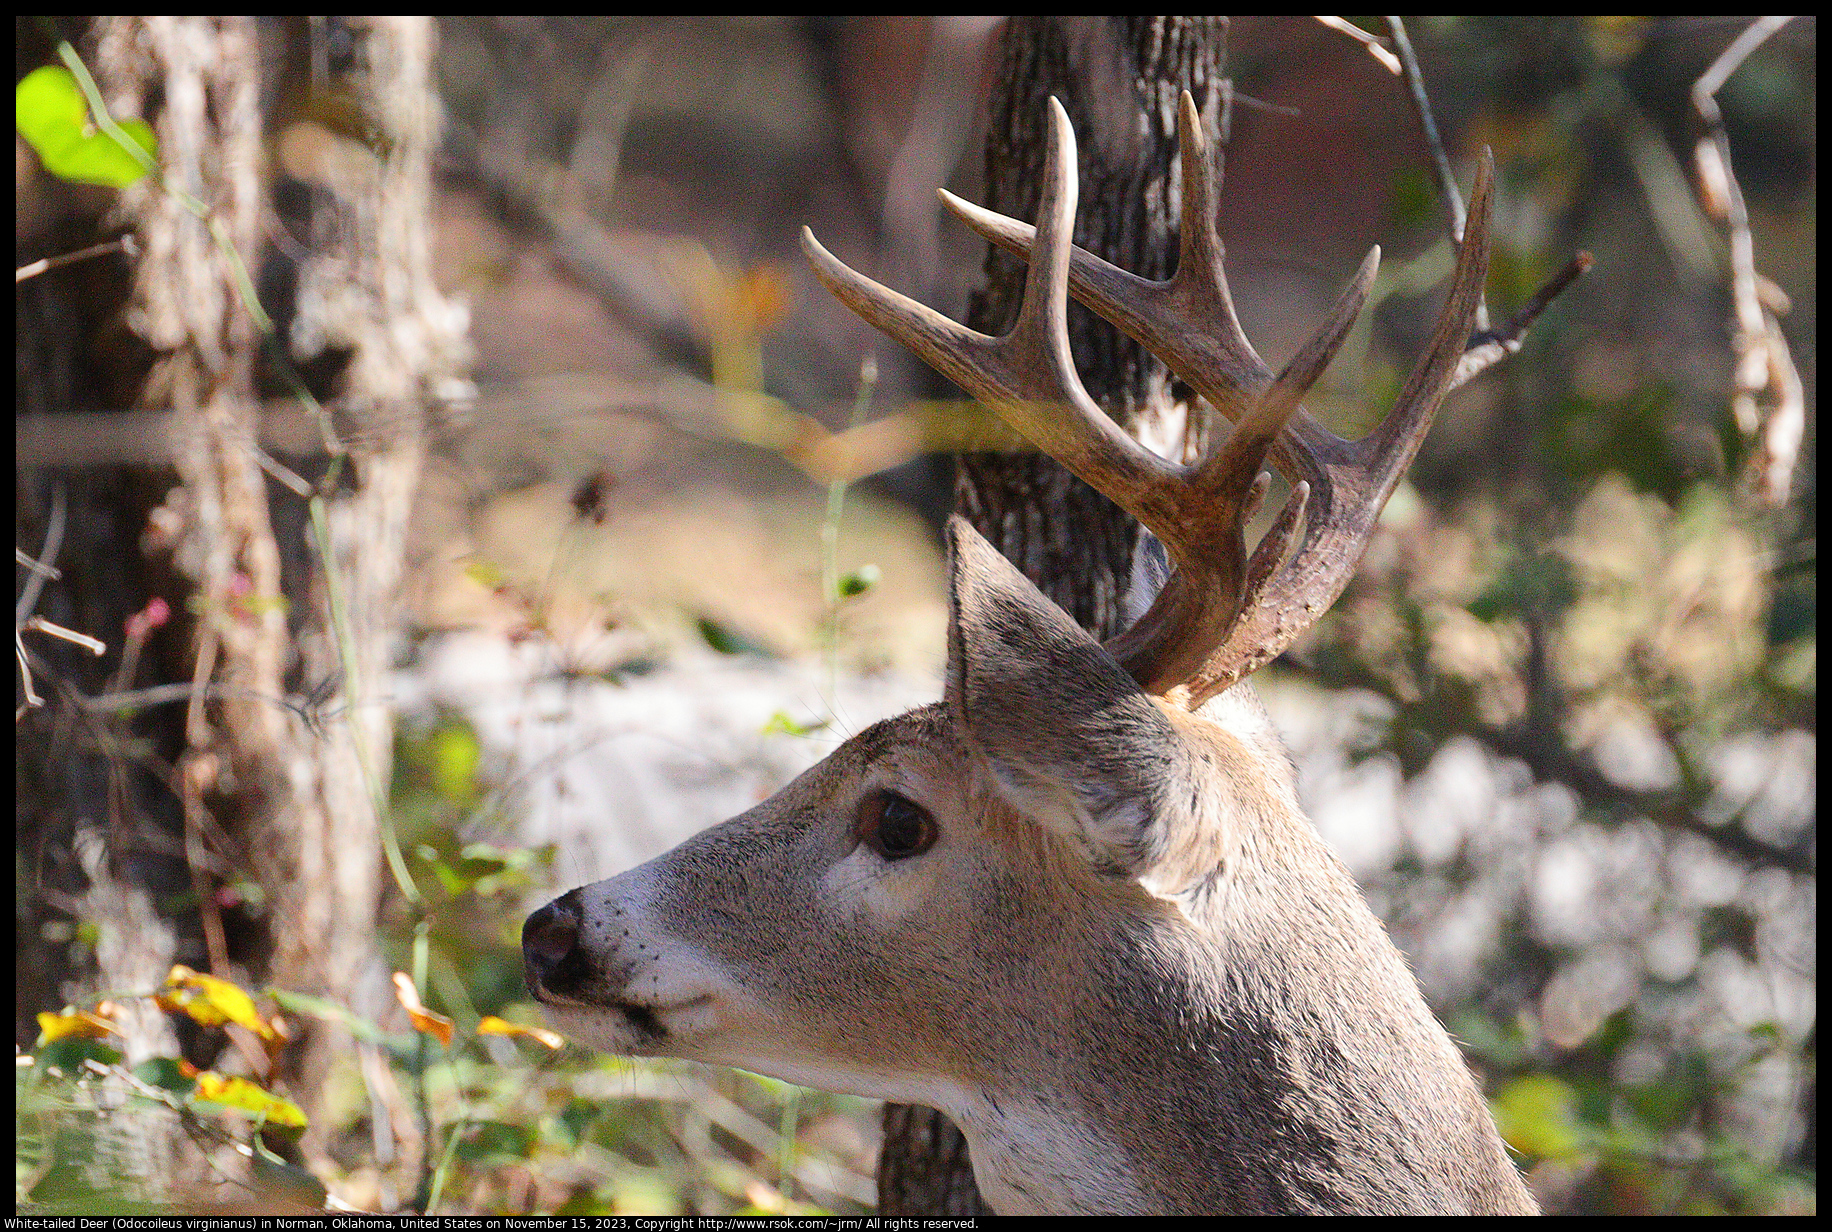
[
  {"x": 1119, "y": 80},
  {"x": 235, "y": 831}
]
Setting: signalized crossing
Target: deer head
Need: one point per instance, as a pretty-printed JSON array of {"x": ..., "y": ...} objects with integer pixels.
[{"x": 1075, "y": 905}]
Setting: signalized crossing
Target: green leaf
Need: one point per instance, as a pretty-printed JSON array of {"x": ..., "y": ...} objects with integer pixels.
[
  {"x": 780, "y": 722},
  {"x": 457, "y": 757},
  {"x": 329, "y": 1011},
  {"x": 164, "y": 1073},
  {"x": 854, "y": 584},
  {"x": 496, "y": 1142},
  {"x": 69, "y": 1054},
  {"x": 53, "y": 117},
  {"x": 576, "y": 1120},
  {"x": 481, "y": 868},
  {"x": 1537, "y": 1116},
  {"x": 727, "y": 640}
]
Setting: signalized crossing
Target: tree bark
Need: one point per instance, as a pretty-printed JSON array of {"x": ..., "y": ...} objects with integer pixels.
[
  {"x": 366, "y": 303},
  {"x": 1119, "y": 79},
  {"x": 236, "y": 833}
]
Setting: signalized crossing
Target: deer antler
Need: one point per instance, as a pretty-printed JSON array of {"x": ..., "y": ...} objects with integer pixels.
[{"x": 1222, "y": 613}]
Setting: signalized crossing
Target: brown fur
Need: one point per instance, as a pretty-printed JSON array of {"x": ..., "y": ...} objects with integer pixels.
[{"x": 1128, "y": 966}]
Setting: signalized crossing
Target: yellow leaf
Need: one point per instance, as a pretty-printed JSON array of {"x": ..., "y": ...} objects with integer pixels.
[
  {"x": 1537, "y": 1116},
  {"x": 492, "y": 1025},
  {"x": 74, "y": 1024},
  {"x": 424, "y": 1020},
  {"x": 245, "y": 1096},
  {"x": 210, "y": 1001},
  {"x": 436, "y": 1025}
]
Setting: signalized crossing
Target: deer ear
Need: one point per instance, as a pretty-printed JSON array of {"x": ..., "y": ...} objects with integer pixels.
[{"x": 1072, "y": 741}]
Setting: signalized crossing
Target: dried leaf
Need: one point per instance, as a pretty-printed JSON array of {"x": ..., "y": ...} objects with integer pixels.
[
  {"x": 492, "y": 1025},
  {"x": 424, "y": 1020},
  {"x": 1713, "y": 180}
]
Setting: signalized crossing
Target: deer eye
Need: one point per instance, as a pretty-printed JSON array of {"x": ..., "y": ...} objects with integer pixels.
[{"x": 894, "y": 826}]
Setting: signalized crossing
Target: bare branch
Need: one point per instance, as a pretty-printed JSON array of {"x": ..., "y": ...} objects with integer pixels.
[
  {"x": 1489, "y": 348},
  {"x": 44, "y": 571},
  {"x": 94, "y": 647},
  {"x": 1447, "y": 179},
  {"x": 1376, "y": 47},
  {"x": 1486, "y": 347},
  {"x": 1763, "y": 361},
  {"x": 47, "y": 558},
  {"x": 136, "y": 699},
  {"x": 1732, "y": 59},
  {"x": 44, "y": 265},
  {"x": 32, "y": 699}
]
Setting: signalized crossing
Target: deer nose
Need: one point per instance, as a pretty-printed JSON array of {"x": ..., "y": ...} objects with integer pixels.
[{"x": 551, "y": 958}]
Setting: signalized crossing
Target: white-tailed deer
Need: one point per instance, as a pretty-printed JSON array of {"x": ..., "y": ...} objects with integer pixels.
[{"x": 1075, "y": 905}]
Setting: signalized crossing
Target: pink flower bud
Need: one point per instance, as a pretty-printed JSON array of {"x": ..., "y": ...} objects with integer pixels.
[{"x": 152, "y": 616}]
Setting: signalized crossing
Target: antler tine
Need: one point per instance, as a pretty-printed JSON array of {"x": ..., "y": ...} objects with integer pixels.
[
  {"x": 1217, "y": 359},
  {"x": 1223, "y": 477},
  {"x": 1351, "y": 490},
  {"x": 1028, "y": 376},
  {"x": 1245, "y": 449},
  {"x": 1184, "y": 629},
  {"x": 1396, "y": 442},
  {"x": 1221, "y": 614}
]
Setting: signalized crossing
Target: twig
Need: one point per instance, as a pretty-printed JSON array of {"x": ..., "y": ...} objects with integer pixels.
[
  {"x": 44, "y": 571},
  {"x": 204, "y": 1136},
  {"x": 1486, "y": 347},
  {"x": 281, "y": 473},
  {"x": 92, "y": 645},
  {"x": 47, "y": 557},
  {"x": 44, "y": 265},
  {"x": 1421, "y": 104},
  {"x": 194, "y": 779},
  {"x": 1763, "y": 359},
  {"x": 1376, "y": 47},
  {"x": 1753, "y": 37},
  {"x": 179, "y": 691},
  {"x": 1260, "y": 104},
  {"x": 1490, "y": 347},
  {"x": 32, "y": 700},
  {"x": 1447, "y": 179},
  {"x": 38, "y": 571}
]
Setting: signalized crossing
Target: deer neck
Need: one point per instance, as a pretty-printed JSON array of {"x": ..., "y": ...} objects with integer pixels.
[{"x": 1254, "y": 1045}]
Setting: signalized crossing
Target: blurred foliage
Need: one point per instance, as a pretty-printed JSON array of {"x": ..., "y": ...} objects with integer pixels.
[
  {"x": 1588, "y": 590},
  {"x": 1575, "y": 588},
  {"x": 516, "y": 1127},
  {"x": 54, "y": 118}
]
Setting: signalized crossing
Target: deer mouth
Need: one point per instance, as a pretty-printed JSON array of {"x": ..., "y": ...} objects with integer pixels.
[
  {"x": 634, "y": 1028},
  {"x": 650, "y": 1024}
]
